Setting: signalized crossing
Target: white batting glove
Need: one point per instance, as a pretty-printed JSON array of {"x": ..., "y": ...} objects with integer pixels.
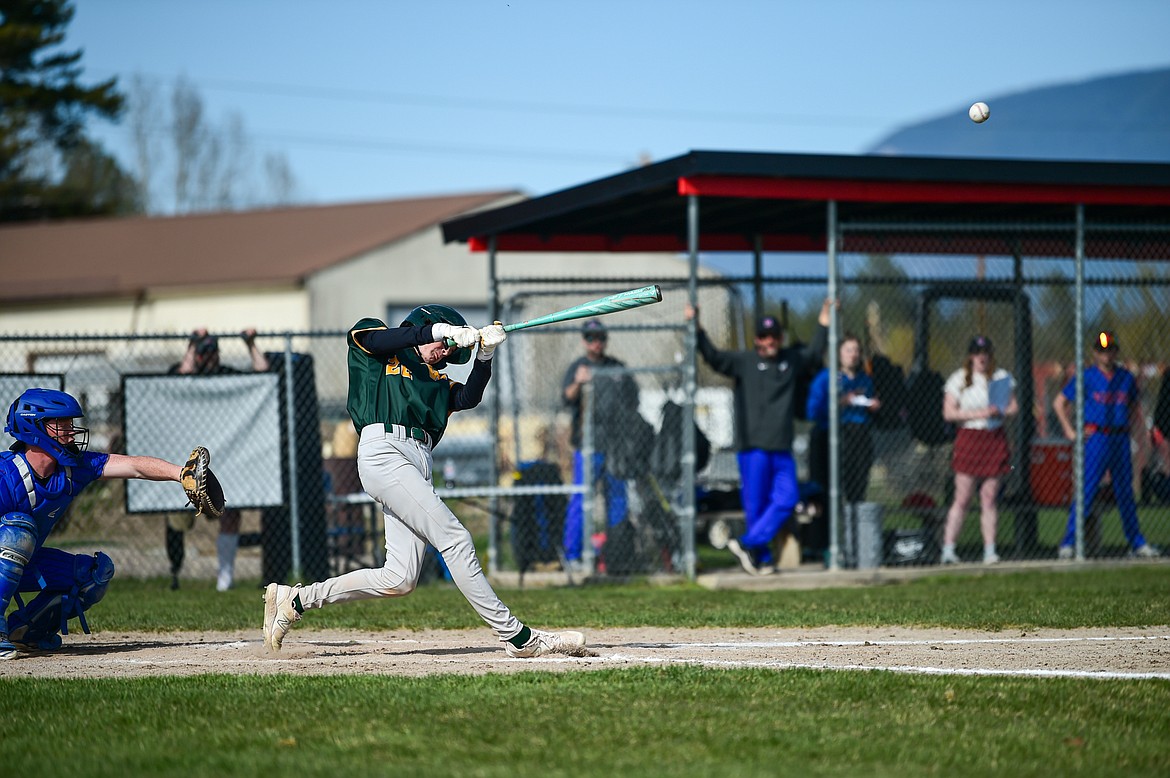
[
  {"x": 464, "y": 337},
  {"x": 490, "y": 337}
]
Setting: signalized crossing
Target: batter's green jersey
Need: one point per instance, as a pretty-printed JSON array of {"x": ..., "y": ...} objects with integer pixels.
[{"x": 395, "y": 389}]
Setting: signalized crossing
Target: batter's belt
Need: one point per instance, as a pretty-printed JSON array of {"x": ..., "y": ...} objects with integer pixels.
[{"x": 400, "y": 432}]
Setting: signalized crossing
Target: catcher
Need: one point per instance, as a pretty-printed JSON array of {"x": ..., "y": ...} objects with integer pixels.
[{"x": 45, "y": 470}]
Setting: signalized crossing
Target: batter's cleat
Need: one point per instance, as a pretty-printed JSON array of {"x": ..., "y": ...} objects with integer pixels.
[
  {"x": 1066, "y": 552},
  {"x": 744, "y": 556},
  {"x": 279, "y": 614},
  {"x": 7, "y": 649},
  {"x": 542, "y": 643},
  {"x": 1146, "y": 551}
]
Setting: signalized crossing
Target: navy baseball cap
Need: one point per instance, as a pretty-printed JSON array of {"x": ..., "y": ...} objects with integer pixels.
[
  {"x": 980, "y": 344},
  {"x": 1105, "y": 341},
  {"x": 593, "y": 327},
  {"x": 768, "y": 325}
]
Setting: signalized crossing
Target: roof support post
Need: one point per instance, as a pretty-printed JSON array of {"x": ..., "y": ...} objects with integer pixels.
[
  {"x": 1079, "y": 361},
  {"x": 758, "y": 278},
  {"x": 493, "y": 306},
  {"x": 687, "y": 519},
  {"x": 834, "y": 390}
]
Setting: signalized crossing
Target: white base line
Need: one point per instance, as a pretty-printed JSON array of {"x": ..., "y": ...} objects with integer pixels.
[
  {"x": 908, "y": 669},
  {"x": 843, "y": 643}
]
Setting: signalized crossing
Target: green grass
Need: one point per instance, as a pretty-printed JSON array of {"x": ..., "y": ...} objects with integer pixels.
[
  {"x": 621, "y": 722},
  {"x": 638, "y": 722}
]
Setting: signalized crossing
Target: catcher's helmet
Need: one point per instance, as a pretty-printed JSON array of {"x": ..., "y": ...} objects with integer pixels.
[
  {"x": 435, "y": 313},
  {"x": 26, "y": 423}
]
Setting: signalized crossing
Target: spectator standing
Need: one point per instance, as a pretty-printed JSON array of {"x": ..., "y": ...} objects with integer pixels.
[
  {"x": 856, "y": 396},
  {"x": 978, "y": 397},
  {"x": 766, "y": 380},
  {"x": 1112, "y": 411},
  {"x": 614, "y": 398},
  {"x": 202, "y": 358}
]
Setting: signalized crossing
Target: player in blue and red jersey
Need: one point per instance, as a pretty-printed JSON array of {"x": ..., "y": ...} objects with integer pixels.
[{"x": 1111, "y": 411}]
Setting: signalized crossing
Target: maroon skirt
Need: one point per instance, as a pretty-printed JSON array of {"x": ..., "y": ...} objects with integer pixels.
[{"x": 981, "y": 453}]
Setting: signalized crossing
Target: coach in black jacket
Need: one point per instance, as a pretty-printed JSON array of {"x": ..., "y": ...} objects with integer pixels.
[{"x": 765, "y": 385}]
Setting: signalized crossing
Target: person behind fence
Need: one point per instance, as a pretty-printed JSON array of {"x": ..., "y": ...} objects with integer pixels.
[
  {"x": 47, "y": 467},
  {"x": 615, "y": 398},
  {"x": 766, "y": 380},
  {"x": 977, "y": 398},
  {"x": 1112, "y": 410},
  {"x": 857, "y": 401},
  {"x": 202, "y": 358},
  {"x": 400, "y": 403}
]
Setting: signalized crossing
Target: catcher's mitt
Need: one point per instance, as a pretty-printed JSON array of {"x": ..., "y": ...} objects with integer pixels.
[{"x": 201, "y": 485}]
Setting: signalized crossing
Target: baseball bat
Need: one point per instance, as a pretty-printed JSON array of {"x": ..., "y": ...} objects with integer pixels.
[{"x": 622, "y": 301}]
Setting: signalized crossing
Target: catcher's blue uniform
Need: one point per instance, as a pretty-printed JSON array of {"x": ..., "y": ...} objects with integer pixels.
[
  {"x": 65, "y": 584},
  {"x": 1108, "y": 400}
]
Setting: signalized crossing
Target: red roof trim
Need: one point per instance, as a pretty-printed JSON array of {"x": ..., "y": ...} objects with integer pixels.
[
  {"x": 918, "y": 191},
  {"x": 646, "y": 243}
]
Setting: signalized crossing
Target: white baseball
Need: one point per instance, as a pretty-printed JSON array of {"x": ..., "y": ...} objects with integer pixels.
[{"x": 979, "y": 112}]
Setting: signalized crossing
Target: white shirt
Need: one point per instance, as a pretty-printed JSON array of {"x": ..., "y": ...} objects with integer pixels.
[{"x": 978, "y": 395}]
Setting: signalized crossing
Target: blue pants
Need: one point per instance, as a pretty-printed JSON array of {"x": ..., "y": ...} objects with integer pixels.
[
  {"x": 1109, "y": 452},
  {"x": 769, "y": 493},
  {"x": 614, "y": 492}
]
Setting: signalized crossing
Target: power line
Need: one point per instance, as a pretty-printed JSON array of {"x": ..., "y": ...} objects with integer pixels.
[{"x": 345, "y": 94}]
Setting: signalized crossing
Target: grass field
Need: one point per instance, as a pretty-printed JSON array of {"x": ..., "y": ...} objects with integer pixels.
[{"x": 690, "y": 720}]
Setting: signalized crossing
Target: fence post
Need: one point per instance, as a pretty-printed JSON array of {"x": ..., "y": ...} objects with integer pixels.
[{"x": 290, "y": 423}]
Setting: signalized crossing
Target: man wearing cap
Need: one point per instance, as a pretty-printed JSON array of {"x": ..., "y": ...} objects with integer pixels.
[
  {"x": 202, "y": 358},
  {"x": 765, "y": 387},
  {"x": 1111, "y": 411},
  {"x": 613, "y": 398}
]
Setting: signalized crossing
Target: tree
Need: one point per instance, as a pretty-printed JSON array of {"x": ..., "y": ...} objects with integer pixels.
[
  {"x": 187, "y": 163},
  {"x": 43, "y": 110}
]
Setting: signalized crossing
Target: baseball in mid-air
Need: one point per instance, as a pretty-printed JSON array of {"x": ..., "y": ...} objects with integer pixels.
[{"x": 979, "y": 112}]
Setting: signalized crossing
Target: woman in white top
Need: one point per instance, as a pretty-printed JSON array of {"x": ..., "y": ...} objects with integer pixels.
[{"x": 977, "y": 397}]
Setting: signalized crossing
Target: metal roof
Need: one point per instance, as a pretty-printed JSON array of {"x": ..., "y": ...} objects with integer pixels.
[
  {"x": 780, "y": 200},
  {"x": 94, "y": 258}
]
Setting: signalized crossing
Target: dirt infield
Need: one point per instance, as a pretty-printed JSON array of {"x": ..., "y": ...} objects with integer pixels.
[{"x": 1109, "y": 653}]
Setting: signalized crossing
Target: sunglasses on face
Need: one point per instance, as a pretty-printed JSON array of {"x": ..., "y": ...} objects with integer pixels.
[{"x": 595, "y": 338}]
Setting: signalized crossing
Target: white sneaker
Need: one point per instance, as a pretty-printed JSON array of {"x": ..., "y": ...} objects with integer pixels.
[
  {"x": 949, "y": 557},
  {"x": 542, "y": 643},
  {"x": 1066, "y": 552},
  {"x": 1146, "y": 551},
  {"x": 279, "y": 613},
  {"x": 744, "y": 557},
  {"x": 991, "y": 559}
]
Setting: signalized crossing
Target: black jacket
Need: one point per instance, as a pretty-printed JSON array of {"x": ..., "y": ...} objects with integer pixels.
[{"x": 764, "y": 389}]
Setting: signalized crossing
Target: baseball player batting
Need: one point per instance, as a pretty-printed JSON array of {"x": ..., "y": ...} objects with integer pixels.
[{"x": 399, "y": 402}]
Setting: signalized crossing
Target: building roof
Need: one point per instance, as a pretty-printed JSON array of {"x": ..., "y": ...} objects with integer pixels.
[
  {"x": 781, "y": 200},
  {"x": 128, "y": 256}
]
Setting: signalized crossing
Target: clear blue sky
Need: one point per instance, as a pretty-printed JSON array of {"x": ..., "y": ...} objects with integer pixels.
[{"x": 372, "y": 99}]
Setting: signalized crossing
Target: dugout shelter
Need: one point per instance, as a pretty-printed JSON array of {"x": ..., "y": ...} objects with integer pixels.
[{"x": 752, "y": 203}]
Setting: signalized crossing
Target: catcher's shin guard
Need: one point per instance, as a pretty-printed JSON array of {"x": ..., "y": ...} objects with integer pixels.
[
  {"x": 18, "y": 541},
  {"x": 38, "y": 623}
]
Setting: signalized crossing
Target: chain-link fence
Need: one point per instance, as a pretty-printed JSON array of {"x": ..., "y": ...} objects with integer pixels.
[
  {"x": 917, "y": 317},
  {"x": 282, "y": 441}
]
